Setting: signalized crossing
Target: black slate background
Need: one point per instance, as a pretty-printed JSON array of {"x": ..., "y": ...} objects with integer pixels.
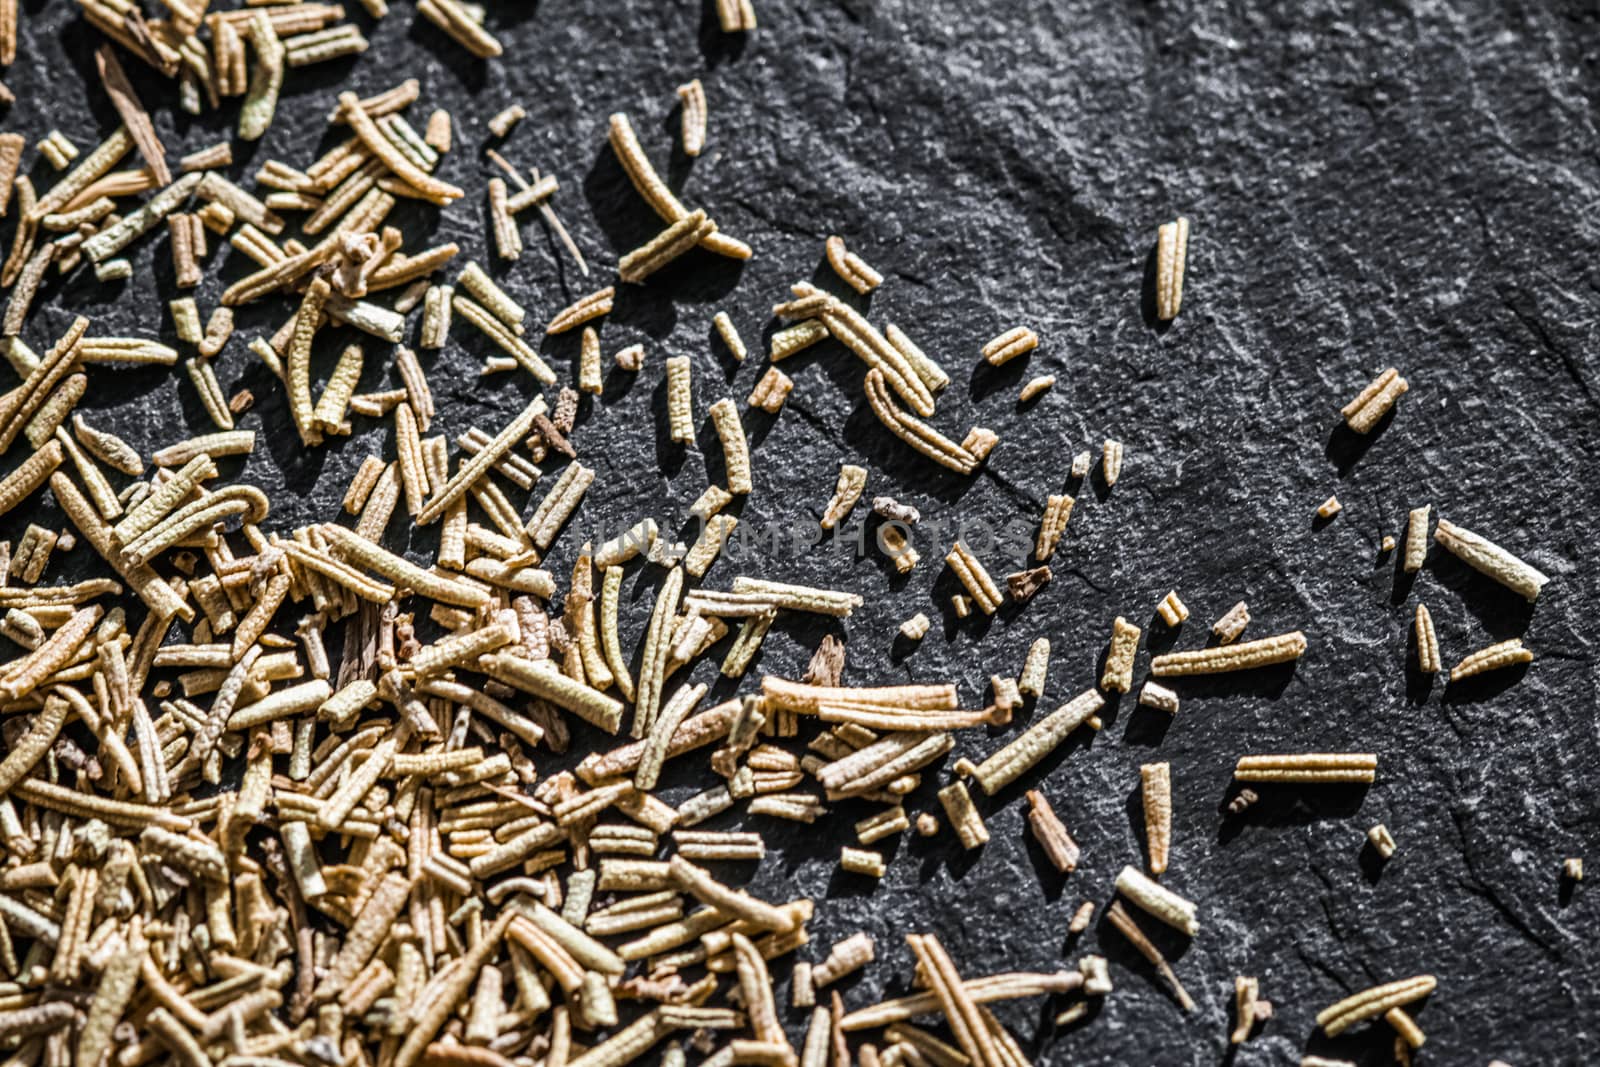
[{"x": 1408, "y": 184}]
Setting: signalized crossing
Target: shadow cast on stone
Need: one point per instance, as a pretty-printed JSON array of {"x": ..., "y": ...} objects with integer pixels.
[
  {"x": 635, "y": 308},
  {"x": 1290, "y": 804},
  {"x": 1011, "y": 609},
  {"x": 717, "y": 47},
  {"x": 1371, "y": 1043},
  {"x": 1096, "y": 479},
  {"x": 623, "y": 216},
  {"x": 1047, "y": 1030},
  {"x": 1372, "y": 862},
  {"x": 1404, "y": 580},
  {"x": 679, "y": 163},
  {"x": 336, "y": 74},
  {"x": 945, "y": 850},
  {"x": 1044, "y": 1030},
  {"x": 1345, "y": 447},
  {"x": 824, "y": 277},
  {"x": 899, "y": 462},
  {"x": 1133, "y": 809},
  {"x": 1159, "y": 637},
  {"x": 472, "y": 72},
  {"x": 670, "y": 454},
  {"x": 987, "y": 379},
  {"x": 1483, "y": 687},
  {"x": 1119, "y": 950},
  {"x": 1147, "y": 295},
  {"x": 646, "y": 584},
  {"x": 759, "y": 423},
  {"x": 1052, "y": 882},
  {"x": 1268, "y": 682},
  {"x": 1500, "y": 611},
  {"x": 617, "y": 384},
  {"x": 1146, "y": 726},
  {"x": 1419, "y": 683},
  {"x": 807, "y": 630},
  {"x": 946, "y": 586},
  {"x": 627, "y": 222},
  {"x": 696, "y": 277},
  {"x": 903, "y": 648},
  {"x": 511, "y": 15}
]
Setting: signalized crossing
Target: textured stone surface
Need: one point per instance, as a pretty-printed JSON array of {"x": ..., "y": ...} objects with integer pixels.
[{"x": 1411, "y": 185}]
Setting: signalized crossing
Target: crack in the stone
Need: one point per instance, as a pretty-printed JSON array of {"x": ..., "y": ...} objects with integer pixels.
[
  {"x": 1084, "y": 578},
  {"x": 1017, "y": 494},
  {"x": 777, "y": 222},
  {"x": 1317, "y": 963},
  {"x": 1536, "y": 327},
  {"x": 1478, "y": 886}
]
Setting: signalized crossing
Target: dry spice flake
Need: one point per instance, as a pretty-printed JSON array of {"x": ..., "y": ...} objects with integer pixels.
[
  {"x": 1486, "y": 557},
  {"x": 692, "y": 98},
  {"x": 655, "y": 192},
  {"x": 1035, "y": 388},
  {"x": 1008, "y": 346},
  {"x": 1231, "y": 624},
  {"x": 1118, "y": 916},
  {"x": 852, "y": 482},
  {"x": 1172, "y": 255},
  {"x": 916, "y": 627},
  {"x": 1022, "y": 585},
  {"x": 1057, "y": 512},
  {"x": 1172, "y": 610},
  {"x": 729, "y": 333},
  {"x": 975, "y": 578},
  {"x": 1030, "y": 682},
  {"x": 1249, "y": 1009},
  {"x": 1371, "y": 1003},
  {"x": 771, "y": 391},
  {"x": 1427, "y": 640},
  {"x": 1311, "y": 767},
  {"x": 1155, "y": 695},
  {"x": 458, "y": 23},
  {"x": 963, "y": 815},
  {"x": 1156, "y": 781},
  {"x": 1157, "y": 901},
  {"x": 851, "y": 268},
  {"x": 1374, "y": 402},
  {"x": 1248, "y": 655},
  {"x": 1111, "y": 462},
  {"x": 1038, "y": 741},
  {"x": 1495, "y": 657},
  {"x": 1117, "y": 677},
  {"x": 1058, "y": 845}
]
